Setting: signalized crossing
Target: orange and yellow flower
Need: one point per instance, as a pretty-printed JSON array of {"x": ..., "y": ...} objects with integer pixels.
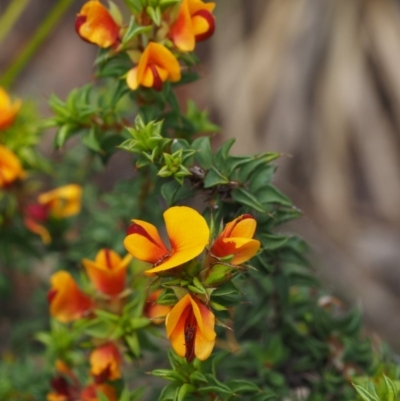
[
  {"x": 154, "y": 311},
  {"x": 62, "y": 202},
  {"x": 8, "y": 109},
  {"x": 195, "y": 23},
  {"x": 10, "y": 167},
  {"x": 105, "y": 362},
  {"x": 67, "y": 301},
  {"x": 190, "y": 328},
  {"x": 89, "y": 393},
  {"x": 237, "y": 240},
  {"x": 95, "y": 24},
  {"x": 188, "y": 235},
  {"x": 108, "y": 271},
  {"x": 156, "y": 65}
]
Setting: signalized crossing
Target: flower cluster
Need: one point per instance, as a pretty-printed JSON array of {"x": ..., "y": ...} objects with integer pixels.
[
  {"x": 190, "y": 323},
  {"x": 155, "y": 52}
]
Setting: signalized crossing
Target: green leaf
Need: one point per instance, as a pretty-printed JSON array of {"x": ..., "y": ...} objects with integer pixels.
[
  {"x": 139, "y": 322},
  {"x": 365, "y": 394},
  {"x": 390, "y": 389},
  {"x": 204, "y": 155},
  {"x": 270, "y": 194},
  {"x": 215, "y": 177},
  {"x": 185, "y": 390},
  {"x": 133, "y": 343},
  {"x": 244, "y": 197},
  {"x": 135, "y": 30},
  {"x": 154, "y": 14}
]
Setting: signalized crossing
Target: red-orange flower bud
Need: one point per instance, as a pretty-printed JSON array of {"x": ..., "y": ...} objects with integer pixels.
[
  {"x": 195, "y": 23},
  {"x": 67, "y": 301},
  {"x": 89, "y": 393},
  {"x": 156, "y": 65},
  {"x": 105, "y": 362},
  {"x": 236, "y": 240},
  {"x": 95, "y": 24},
  {"x": 108, "y": 271}
]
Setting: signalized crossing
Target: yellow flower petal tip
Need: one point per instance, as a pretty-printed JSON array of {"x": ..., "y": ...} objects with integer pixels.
[
  {"x": 156, "y": 65},
  {"x": 237, "y": 239},
  {"x": 188, "y": 235},
  {"x": 62, "y": 202},
  {"x": 95, "y": 24},
  {"x": 8, "y": 109},
  {"x": 10, "y": 167}
]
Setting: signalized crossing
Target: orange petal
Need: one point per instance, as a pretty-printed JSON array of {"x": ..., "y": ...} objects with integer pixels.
[
  {"x": 144, "y": 243},
  {"x": 205, "y": 320},
  {"x": 38, "y": 229},
  {"x": 89, "y": 393},
  {"x": 203, "y": 25},
  {"x": 155, "y": 311},
  {"x": 243, "y": 249},
  {"x": 177, "y": 336},
  {"x": 64, "y": 201},
  {"x": 181, "y": 32},
  {"x": 198, "y": 5},
  {"x": 95, "y": 24},
  {"x": 187, "y": 230},
  {"x": 8, "y": 110},
  {"x": 162, "y": 57},
  {"x": 67, "y": 302},
  {"x": 175, "y": 315},
  {"x": 245, "y": 227},
  {"x": 10, "y": 167},
  {"x": 105, "y": 362}
]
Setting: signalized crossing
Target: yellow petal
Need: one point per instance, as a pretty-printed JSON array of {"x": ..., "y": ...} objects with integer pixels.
[
  {"x": 198, "y": 5},
  {"x": 244, "y": 249},
  {"x": 208, "y": 321},
  {"x": 244, "y": 228},
  {"x": 176, "y": 313},
  {"x": 177, "y": 337},
  {"x": 202, "y": 346},
  {"x": 145, "y": 244},
  {"x": 132, "y": 78},
  {"x": 187, "y": 230},
  {"x": 181, "y": 31},
  {"x": 108, "y": 259}
]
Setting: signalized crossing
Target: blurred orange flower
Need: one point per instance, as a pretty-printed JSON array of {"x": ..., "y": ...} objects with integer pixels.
[
  {"x": 190, "y": 328},
  {"x": 108, "y": 271},
  {"x": 188, "y": 235},
  {"x": 95, "y": 24},
  {"x": 154, "y": 311},
  {"x": 10, "y": 167},
  {"x": 62, "y": 202},
  {"x": 236, "y": 239},
  {"x": 90, "y": 392},
  {"x": 8, "y": 110},
  {"x": 105, "y": 362},
  {"x": 67, "y": 301},
  {"x": 195, "y": 23},
  {"x": 156, "y": 65},
  {"x": 34, "y": 215}
]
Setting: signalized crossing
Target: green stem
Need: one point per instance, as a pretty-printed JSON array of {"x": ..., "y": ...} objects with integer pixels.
[
  {"x": 13, "y": 11},
  {"x": 40, "y": 35}
]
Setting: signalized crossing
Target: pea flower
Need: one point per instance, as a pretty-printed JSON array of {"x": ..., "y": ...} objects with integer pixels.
[
  {"x": 154, "y": 311},
  {"x": 108, "y": 271},
  {"x": 10, "y": 167},
  {"x": 236, "y": 239},
  {"x": 195, "y": 23},
  {"x": 62, "y": 202},
  {"x": 105, "y": 362},
  {"x": 67, "y": 301},
  {"x": 190, "y": 328},
  {"x": 8, "y": 110},
  {"x": 34, "y": 215},
  {"x": 95, "y": 24},
  {"x": 89, "y": 393},
  {"x": 188, "y": 235},
  {"x": 156, "y": 65}
]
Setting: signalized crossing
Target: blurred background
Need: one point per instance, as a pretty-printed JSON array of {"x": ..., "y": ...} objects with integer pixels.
[{"x": 318, "y": 81}]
